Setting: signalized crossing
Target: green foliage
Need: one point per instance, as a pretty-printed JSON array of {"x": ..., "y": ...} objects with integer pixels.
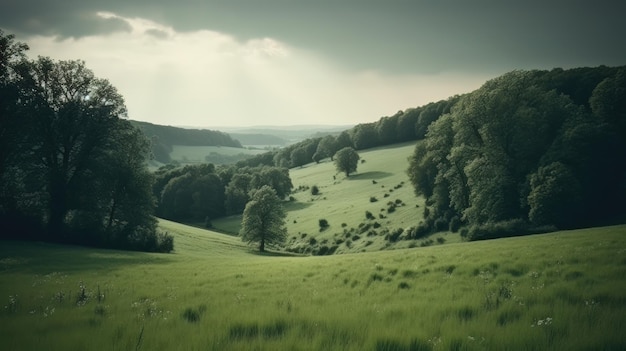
[
  {"x": 519, "y": 149},
  {"x": 264, "y": 219},
  {"x": 323, "y": 224},
  {"x": 346, "y": 160},
  {"x": 71, "y": 165},
  {"x": 315, "y": 190},
  {"x": 555, "y": 196}
]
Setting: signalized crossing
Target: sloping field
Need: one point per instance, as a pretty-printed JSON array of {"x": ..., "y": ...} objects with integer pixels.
[
  {"x": 558, "y": 291},
  {"x": 380, "y": 183},
  {"x": 198, "y": 154}
]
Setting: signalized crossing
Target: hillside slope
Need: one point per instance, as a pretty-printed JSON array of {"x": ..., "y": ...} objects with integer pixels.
[
  {"x": 563, "y": 290},
  {"x": 343, "y": 203}
]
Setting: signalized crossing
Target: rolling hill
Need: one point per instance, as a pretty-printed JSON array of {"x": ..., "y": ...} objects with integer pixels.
[{"x": 563, "y": 290}]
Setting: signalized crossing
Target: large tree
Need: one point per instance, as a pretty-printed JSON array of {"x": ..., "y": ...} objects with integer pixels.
[
  {"x": 73, "y": 114},
  {"x": 264, "y": 219},
  {"x": 81, "y": 170},
  {"x": 347, "y": 160}
]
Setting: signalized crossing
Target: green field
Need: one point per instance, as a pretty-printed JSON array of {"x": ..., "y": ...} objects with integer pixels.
[
  {"x": 343, "y": 202},
  {"x": 558, "y": 291},
  {"x": 197, "y": 154}
]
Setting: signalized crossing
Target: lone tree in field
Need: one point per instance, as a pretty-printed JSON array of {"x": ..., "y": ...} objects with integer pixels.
[
  {"x": 264, "y": 219},
  {"x": 346, "y": 160}
]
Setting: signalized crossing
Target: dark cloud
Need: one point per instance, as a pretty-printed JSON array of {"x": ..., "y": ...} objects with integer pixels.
[{"x": 396, "y": 36}]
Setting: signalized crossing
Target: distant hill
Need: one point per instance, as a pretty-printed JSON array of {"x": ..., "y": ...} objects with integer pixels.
[
  {"x": 258, "y": 139},
  {"x": 289, "y": 134},
  {"x": 165, "y": 137}
]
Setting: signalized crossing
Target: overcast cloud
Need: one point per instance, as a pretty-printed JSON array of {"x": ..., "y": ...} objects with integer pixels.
[{"x": 241, "y": 63}]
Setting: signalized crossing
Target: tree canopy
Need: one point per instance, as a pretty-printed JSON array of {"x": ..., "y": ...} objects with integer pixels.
[
  {"x": 75, "y": 166},
  {"x": 264, "y": 219},
  {"x": 347, "y": 160},
  {"x": 520, "y": 149}
]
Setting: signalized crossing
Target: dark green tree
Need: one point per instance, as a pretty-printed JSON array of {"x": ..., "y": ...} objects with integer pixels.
[
  {"x": 299, "y": 157},
  {"x": 73, "y": 114},
  {"x": 365, "y": 136},
  {"x": 347, "y": 160},
  {"x": 555, "y": 197},
  {"x": 264, "y": 219},
  {"x": 327, "y": 147},
  {"x": 237, "y": 193}
]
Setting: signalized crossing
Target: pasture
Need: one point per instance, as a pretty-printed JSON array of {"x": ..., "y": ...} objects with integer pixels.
[
  {"x": 564, "y": 290},
  {"x": 380, "y": 186}
]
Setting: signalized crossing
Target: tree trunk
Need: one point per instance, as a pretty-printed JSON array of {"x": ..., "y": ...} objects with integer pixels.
[
  {"x": 58, "y": 210},
  {"x": 262, "y": 246}
]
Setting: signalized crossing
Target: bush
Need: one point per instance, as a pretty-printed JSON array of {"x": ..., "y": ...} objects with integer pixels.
[
  {"x": 373, "y": 199},
  {"x": 514, "y": 227},
  {"x": 323, "y": 224},
  {"x": 394, "y": 235},
  {"x": 369, "y": 215},
  {"x": 165, "y": 242},
  {"x": 315, "y": 190}
]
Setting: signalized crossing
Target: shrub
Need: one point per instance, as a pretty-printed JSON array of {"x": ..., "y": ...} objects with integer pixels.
[
  {"x": 373, "y": 199},
  {"x": 369, "y": 215},
  {"x": 426, "y": 212},
  {"x": 494, "y": 230},
  {"x": 441, "y": 240},
  {"x": 323, "y": 224},
  {"x": 343, "y": 225},
  {"x": 312, "y": 241},
  {"x": 165, "y": 242},
  {"x": 315, "y": 190},
  {"x": 355, "y": 238},
  {"x": 394, "y": 235}
]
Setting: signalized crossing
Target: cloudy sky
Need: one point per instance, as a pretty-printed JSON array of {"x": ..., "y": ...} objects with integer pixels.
[{"x": 296, "y": 62}]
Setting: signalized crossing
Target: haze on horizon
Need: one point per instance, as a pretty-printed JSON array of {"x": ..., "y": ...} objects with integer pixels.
[{"x": 249, "y": 63}]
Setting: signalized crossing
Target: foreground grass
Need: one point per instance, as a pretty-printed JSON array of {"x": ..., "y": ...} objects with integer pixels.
[{"x": 564, "y": 290}]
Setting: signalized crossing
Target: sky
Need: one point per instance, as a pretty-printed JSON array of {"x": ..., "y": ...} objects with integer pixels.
[{"x": 239, "y": 63}]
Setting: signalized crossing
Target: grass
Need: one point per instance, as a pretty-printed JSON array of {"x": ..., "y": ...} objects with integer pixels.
[
  {"x": 343, "y": 202},
  {"x": 564, "y": 290},
  {"x": 197, "y": 154}
]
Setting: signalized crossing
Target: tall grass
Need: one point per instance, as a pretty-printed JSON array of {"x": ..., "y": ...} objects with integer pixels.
[{"x": 565, "y": 290}]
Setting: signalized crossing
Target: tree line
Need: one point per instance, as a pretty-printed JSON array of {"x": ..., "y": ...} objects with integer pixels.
[
  {"x": 199, "y": 193},
  {"x": 529, "y": 151},
  {"x": 408, "y": 125},
  {"x": 72, "y": 168}
]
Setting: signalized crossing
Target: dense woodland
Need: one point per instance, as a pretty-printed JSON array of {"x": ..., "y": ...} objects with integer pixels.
[{"x": 529, "y": 151}]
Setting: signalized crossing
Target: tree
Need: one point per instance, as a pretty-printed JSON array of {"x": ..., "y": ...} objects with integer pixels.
[
  {"x": 365, "y": 136},
  {"x": 326, "y": 148},
  {"x": 264, "y": 219},
  {"x": 72, "y": 115},
  {"x": 346, "y": 160}
]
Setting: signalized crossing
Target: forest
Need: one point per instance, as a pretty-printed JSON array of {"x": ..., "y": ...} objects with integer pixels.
[{"x": 529, "y": 151}]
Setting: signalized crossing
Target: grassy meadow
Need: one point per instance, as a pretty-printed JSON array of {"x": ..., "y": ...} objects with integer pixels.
[
  {"x": 343, "y": 202},
  {"x": 197, "y": 154},
  {"x": 564, "y": 290}
]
